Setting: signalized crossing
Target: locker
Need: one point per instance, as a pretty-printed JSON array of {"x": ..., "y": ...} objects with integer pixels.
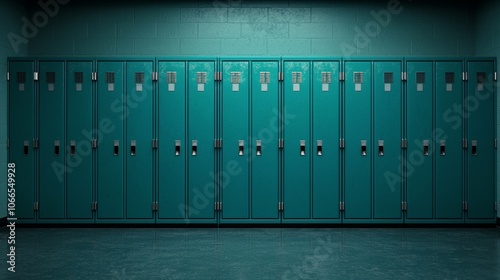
[
  {"x": 234, "y": 173},
  {"x": 480, "y": 108},
  {"x": 448, "y": 143},
  {"x": 264, "y": 151},
  {"x": 297, "y": 149},
  {"x": 325, "y": 151},
  {"x": 358, "y": 154},
  {"x": 173, "y": 147},
  {"x": 52, "y": 164},
  {"x": 386, "y": 147},
  {"x": 78, "y": 149},
  {"x": 201, "y": 135},
  {"x": 419, "y": 165},
  {"x": 139, "y": 123},
  {"x": 21, "y": 114},
  {"x": 110, "y": 142}
]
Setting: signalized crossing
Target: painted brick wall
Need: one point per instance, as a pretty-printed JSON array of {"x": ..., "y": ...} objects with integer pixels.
[
  {"x": 11, "y": 13},
  {"x": 249, "y": 27},
  {"x": 488, "y": 43}
]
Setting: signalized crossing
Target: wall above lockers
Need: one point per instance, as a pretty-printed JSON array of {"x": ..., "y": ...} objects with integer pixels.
[{"x": 249, "y": 27}]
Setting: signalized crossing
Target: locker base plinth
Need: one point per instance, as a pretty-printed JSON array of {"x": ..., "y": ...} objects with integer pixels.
[
  {"x": 311, "y": 221},
  {"x": 249, "y": 221},
  {"x": 373, "y": 221}
]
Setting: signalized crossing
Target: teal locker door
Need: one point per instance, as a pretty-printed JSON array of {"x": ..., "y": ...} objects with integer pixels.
[
  {"x": 265, "y": 129},
  {"x": 326, "y": 121},
  {"x": 449, "y": 151},
  {"x": 78, "y": 150},
  {"x": 297, "y": 149},
  {"x": 387, "y": 123},
  {"x": 201, "y": 135},
  {"x": 111, "y": 148},
  {"x": 481, "y": 130},
  {"x": 420, "y": 146},
  {"x": 358, "y": 191},
  {"x": 172, "y": 149},
  {"x": 21, "y": 135},
  {"x": 52, "y": 137},
  {"x": 234, "y": 183},
  {"x": 139, "y": 119}
]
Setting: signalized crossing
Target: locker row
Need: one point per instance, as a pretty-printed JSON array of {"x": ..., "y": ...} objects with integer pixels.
[{"x": 235, "y": 140}]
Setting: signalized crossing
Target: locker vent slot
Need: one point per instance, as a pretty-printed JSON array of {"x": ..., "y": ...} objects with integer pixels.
[
  {"x": 296, "y": 77},
  {"x": 79, "y": 77},
  {"x": 171, "y": 77},
  {"x": 449, "y": 77},
  {"x": 388, "y": 78},
  {"x": 51, "y": 77},
  {"x": 326, "y": 77},
  {"x": 110, "y": 80},
  {"x": 235, "y": 77},
  {"x": 21, "y": 77},
  {"x": 358, "y": 77},
  {"x": 139, "y": 78},
  {"x": 201, "y": 77},
  {"x": 420, "y": 77},
  {"x": 265, "y": 77}
]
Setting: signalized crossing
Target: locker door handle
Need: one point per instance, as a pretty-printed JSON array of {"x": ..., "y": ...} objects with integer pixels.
[
  {"x": 194, "y": 147},
  {"x": 380, "y": 147},
  {"x": 241, "y": 147},
  {"x": 426, "y": 147},
  {"x": 442, "y": 148},
  {"x": 259, "y": 147},
  {"x": 116, "y": 144},
  {"x": 474, "y": 147},
  {"x": 26, "y": 147},
  {"x": 177, "y": 147},
  {"x": 319, "y": 147},
  {"x": 56, "y": 147},
  {"x": 72, "y": 147},
  {"x": 133, "y": 145},
  {"x": 302, "y": 147},
  {"x": 363, "y": 147}
]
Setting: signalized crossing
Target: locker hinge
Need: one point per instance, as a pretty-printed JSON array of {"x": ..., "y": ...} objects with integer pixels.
[
  {"x": 35, "y": 143},
  {"x": 94, "y": 76},
  {"x": 404, "y": 143},
  {"x": 218, "y": 206},
  {"x": 281, "y": 206},
  {"x": 218, "y": 143},
  {"x": 464, "y": 143},
  {"x": 281, "y": 143},
  {"x": 8, "y": 76},
  {"x": 154, "y": 206},
  {"x": 341, "y": 206},
  {"x": 155, "y": 76},
  {"x": 155, "y": 143},
  {"x": 94, "y": 143},
  {"x": 341, "y": 143},
  {"x": 495, "y": 76},
  {"x": 35, "y": 206},
  {"x": 465, "y": 207},
  {"x": 341, "y": 76},
  {"x": 404, "y": 206},
  {"x": 94, "y": 206},
  {"x": 217, "y": 76},
  {"x": 404, "y": 76},
  {"x": 8, "y": 143},
  {"x": 281, "y": 76},
  {"x": 35, "y": 76},
  {"x": 465, "y": 76}
]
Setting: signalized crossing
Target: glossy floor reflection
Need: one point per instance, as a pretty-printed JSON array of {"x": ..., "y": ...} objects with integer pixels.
[{"x": 345, "y": 253}]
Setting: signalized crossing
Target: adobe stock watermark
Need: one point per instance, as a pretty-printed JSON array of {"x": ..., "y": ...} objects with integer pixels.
[
  {"x": 311, "y": 262},
  {"x": 40, "y": 19},
  {"x": 372, "y": 29},
  {"x": 201, "y": 198},
  {"x": 456, "y": 115}
]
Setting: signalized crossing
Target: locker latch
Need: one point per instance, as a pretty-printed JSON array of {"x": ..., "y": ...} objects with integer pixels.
[
  {"x": 442, "y": 147},
  {"x": 35, "y": 206},
  {"x": 72, "y": 147},
  {"x": 363, "y": 147},
  {"x": 241, "y": 147},
  {"x": 426, "y": 147},
  {"x": 177, "y": 147},
  {"x": 474, "y": 147},
  {"x": 302, "y": 147},
  {"x": 380, "y": 147},
  {"x": 194, "y": 147},
  {"x": 26, "y": 147},
  {"x": 133, "y": 145},
  {"x": 116, "y": 145},
  {"x": 258, "y": 149},
  {"x": 319, "y": 147}
]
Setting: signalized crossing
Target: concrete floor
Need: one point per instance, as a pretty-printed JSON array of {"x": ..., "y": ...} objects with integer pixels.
[{"x": 289, "y": 253}]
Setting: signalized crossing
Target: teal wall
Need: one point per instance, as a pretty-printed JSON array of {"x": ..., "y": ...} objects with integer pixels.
[
  {"x": 488, "y": 44},
  {"x": 11, "y": 13},
  {"x": 249, "y": 27}
]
